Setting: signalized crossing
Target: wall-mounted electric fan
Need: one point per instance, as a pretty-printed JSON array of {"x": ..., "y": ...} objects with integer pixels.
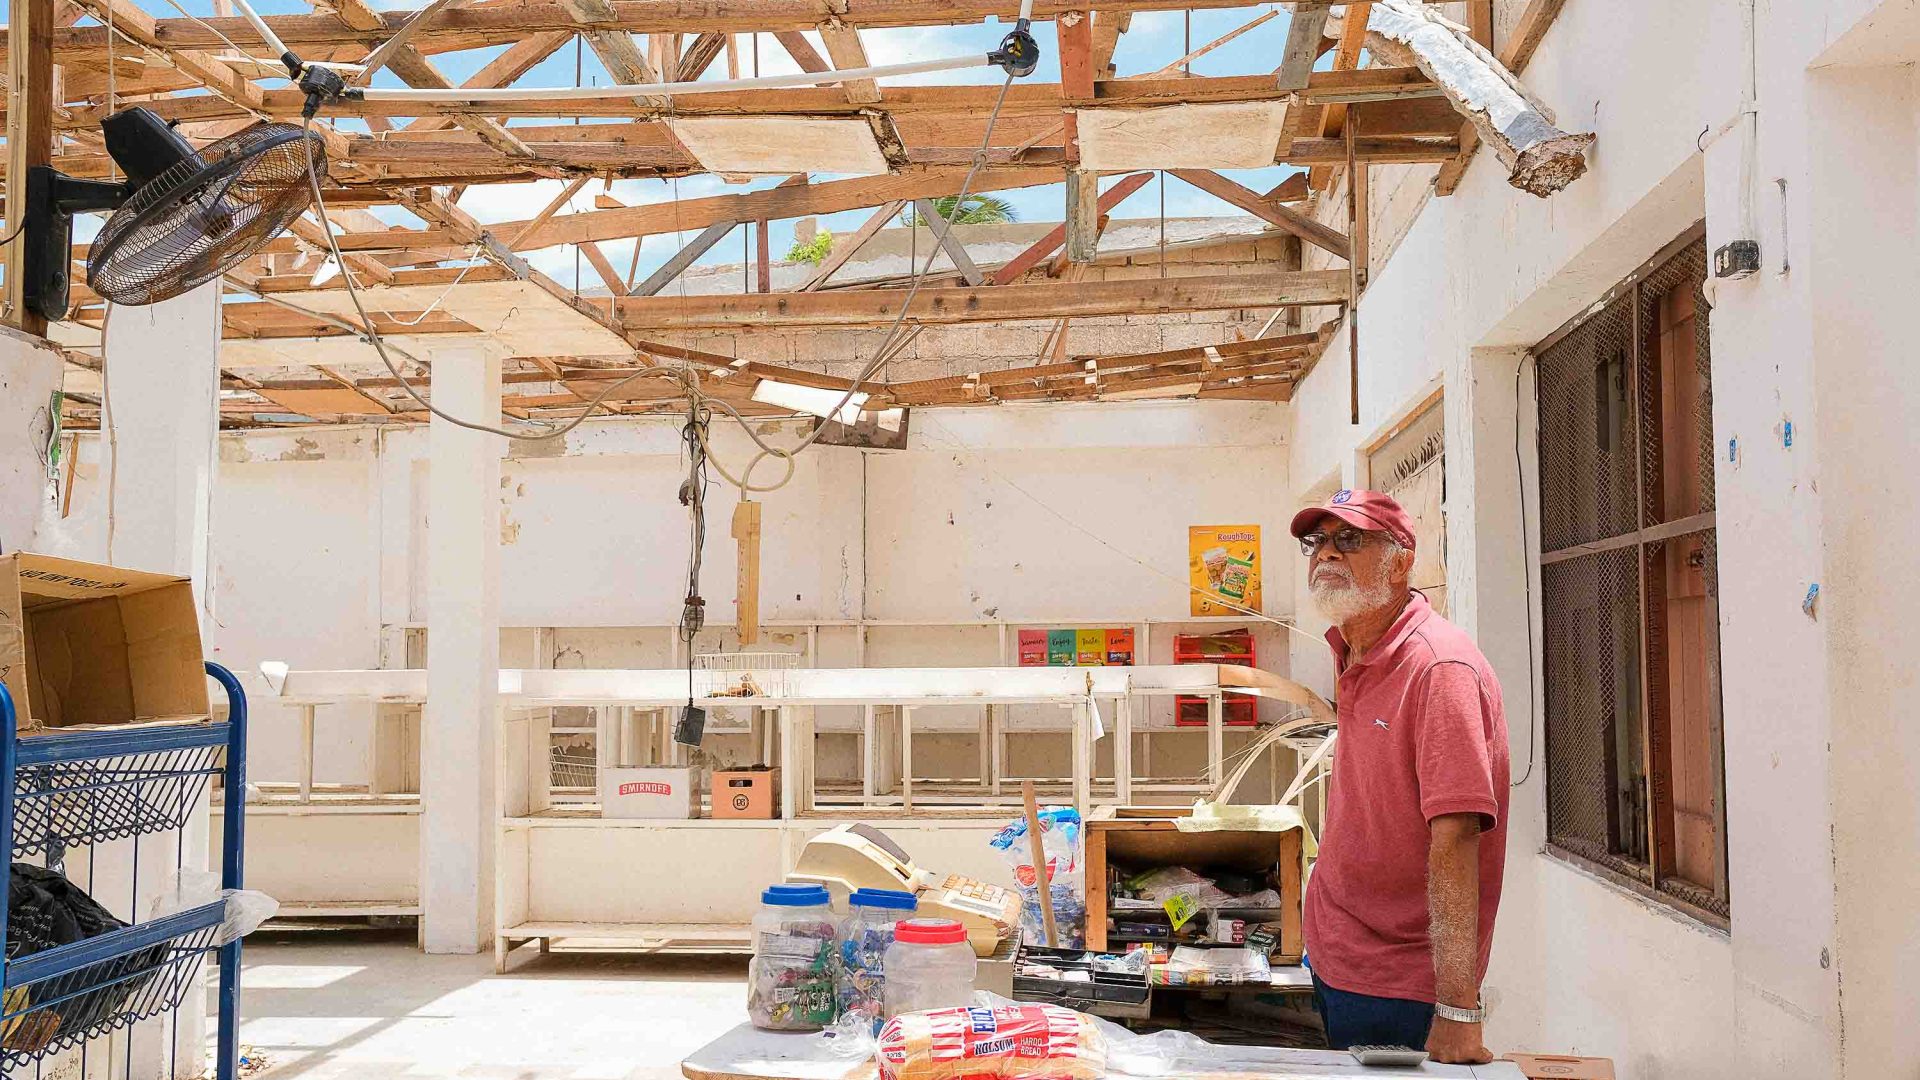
[{"x": 181, "y": 217}]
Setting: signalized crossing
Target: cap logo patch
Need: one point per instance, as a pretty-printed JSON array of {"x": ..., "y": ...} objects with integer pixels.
[{"x": 1341, "y": 497}]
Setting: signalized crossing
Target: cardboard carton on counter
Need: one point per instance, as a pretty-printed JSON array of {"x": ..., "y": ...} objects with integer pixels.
[{"x": 84, "y": 645}]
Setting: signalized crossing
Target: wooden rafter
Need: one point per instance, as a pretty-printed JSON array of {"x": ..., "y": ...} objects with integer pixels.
[
  {"x": 481, "y": 25},
  {"x": 870, "y": 307}
]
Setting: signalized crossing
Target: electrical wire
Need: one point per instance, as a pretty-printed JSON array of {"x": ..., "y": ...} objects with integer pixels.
[
  {"x": 1526, "y": 573},
  {"x": 372, "y": 336},
  {"x": 745, "y": 481},
  {"x": 689, "y": 382}
]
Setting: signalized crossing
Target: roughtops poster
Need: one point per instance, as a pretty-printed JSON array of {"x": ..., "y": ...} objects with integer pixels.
[{"x": 1223, "y": 564}]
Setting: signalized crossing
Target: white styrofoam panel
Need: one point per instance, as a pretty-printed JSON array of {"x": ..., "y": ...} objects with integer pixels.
[
  {"x": 749, "y": 145},
  {"x": 1229, "y": 135}
]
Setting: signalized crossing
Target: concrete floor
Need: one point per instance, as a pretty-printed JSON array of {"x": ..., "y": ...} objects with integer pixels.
[{"x": 370, "y": 1007}]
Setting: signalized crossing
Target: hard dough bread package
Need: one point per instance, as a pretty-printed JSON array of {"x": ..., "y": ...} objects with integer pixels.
[{"x": 1012, "y": 1042}]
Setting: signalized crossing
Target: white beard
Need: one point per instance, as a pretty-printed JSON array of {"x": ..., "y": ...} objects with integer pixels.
[{"x": 1340, "y": 599}]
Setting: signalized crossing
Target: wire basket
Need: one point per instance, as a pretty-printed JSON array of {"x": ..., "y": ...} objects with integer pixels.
[
  {"x": 742, "y": 674},
  {"x": 57, "y": 999}
]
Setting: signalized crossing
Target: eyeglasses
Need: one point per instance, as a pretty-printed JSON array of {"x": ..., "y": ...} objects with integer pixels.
[{"x": 1346, "y": 542}]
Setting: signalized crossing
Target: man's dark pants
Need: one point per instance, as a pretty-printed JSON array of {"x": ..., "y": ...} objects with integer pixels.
[{"x": 1363, "y": 1020}]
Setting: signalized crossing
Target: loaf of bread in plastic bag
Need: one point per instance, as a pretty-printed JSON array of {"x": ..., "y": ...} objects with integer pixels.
[{"x": 1011, "y": 1042}]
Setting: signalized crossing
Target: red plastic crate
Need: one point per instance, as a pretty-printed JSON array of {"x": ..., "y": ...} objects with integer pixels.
[{"x": 1225, "y": 647}]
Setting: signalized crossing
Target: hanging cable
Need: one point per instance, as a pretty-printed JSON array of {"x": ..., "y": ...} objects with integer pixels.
[
  {"x": 371, "y": 335},
  {"x": 942, "y": 226}
]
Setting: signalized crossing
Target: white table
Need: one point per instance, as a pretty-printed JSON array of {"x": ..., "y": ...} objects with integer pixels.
[{"x": 747, "y": 1053}]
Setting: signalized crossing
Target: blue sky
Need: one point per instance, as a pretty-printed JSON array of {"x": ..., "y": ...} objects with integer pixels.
[{"x": 1154, "y": 39}]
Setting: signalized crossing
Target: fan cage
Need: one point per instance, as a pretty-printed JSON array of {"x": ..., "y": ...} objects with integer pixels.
[{"x": 206, "y": 213}]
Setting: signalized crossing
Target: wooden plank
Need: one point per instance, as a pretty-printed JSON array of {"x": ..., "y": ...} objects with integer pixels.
[
  {"x": 416, "y": 70},
  {"x": 1252, "y": 202},
  {"x": 1480, "y": 22},
  {"x": 1044, "y": 247},
  {"x": 684, "y": 258},
  {"x": 1075, "y": 33},
  {"x": 1346, "y": 56},
  {"x": 925, "y": 212},
  {"x": 843, "y": 45},
  {"x": 867, "y": 307},
  {"x": 1108, "y": 25},
  {"x": 1528, "y": 33},
  {"x": 701, "y": 53},
  {"x": 1083, "y": 215},
  {"x": 29, "y": 138},
  {"x": 844, "y": 248},
  {"x": 802, "y": 51},
  {"x": 938, "y": 104},
  {"x": 479, "y": 25},
  {"x": 763, "y": 263},
  {"x": 774, "y": 204},
  {"x": 746, "y": 532},
  {"x": 502, "y": 70},
  {"x": 614, "y": 47},
  {"x": 1304, "y": 37},
  {"x": 608, "y": 275}
]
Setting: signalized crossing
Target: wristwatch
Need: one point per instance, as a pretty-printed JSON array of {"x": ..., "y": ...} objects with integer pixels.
[{"x": 1475, "y": 1015}]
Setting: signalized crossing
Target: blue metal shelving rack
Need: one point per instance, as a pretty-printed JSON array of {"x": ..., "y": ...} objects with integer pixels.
[{"x": 63, "y": 791}]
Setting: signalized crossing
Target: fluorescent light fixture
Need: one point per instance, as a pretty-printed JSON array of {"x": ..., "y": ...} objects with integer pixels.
[{"x": 809, "y": 399}]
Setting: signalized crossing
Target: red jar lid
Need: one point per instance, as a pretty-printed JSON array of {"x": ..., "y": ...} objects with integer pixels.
[{"x": 929, "y": 932}]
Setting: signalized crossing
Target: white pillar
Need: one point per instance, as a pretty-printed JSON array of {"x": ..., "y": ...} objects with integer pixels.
[
  {"x": 163, "y": 376},
  {"x": 459, "y": 726}
]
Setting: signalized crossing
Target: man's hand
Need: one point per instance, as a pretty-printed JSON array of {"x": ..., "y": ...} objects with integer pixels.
[{"x": 1454, "y": 1043}]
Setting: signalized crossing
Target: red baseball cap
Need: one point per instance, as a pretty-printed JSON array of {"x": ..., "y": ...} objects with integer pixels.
[{"x": 1370, "y": 510}]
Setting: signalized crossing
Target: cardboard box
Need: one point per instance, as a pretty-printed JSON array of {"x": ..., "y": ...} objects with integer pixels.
[
  {"x": 649, "y": 793},
  {"x": 1561, "y": 1067},
  {"x": 86, "y": 645},
  {"x": 752, "y": 794}
]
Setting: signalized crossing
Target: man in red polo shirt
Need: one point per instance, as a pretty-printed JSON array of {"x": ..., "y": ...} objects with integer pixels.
[{"x": 1399, "y": 913}]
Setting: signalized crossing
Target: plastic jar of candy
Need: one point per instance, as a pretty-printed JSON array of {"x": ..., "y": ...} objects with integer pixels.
[
  {"x": 865, "y": 937},
  {"x": 929, "y": 966},
  {"x": 796, "y": 953}
]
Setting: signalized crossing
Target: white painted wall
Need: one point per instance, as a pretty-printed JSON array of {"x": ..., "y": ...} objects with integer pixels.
[
  {"x": 1064, "y": 513},
  {"x": 1815, "y": 978},
  {"x": 29, "y": 374}
]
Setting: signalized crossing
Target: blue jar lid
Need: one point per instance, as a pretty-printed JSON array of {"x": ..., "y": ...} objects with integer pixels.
[
  {"x": 795, "y": 896},
  {"x": 892, "y": 899}
]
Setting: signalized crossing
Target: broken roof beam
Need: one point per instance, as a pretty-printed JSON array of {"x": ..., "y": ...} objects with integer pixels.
[
  {"x": 1541, "y": 158},
  {"x": 1305, "y": 37},
  {"x": 987, "y": 303},
  {"x": 1108, "y": 25},
  {"x": 1516, "y": 53}
]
